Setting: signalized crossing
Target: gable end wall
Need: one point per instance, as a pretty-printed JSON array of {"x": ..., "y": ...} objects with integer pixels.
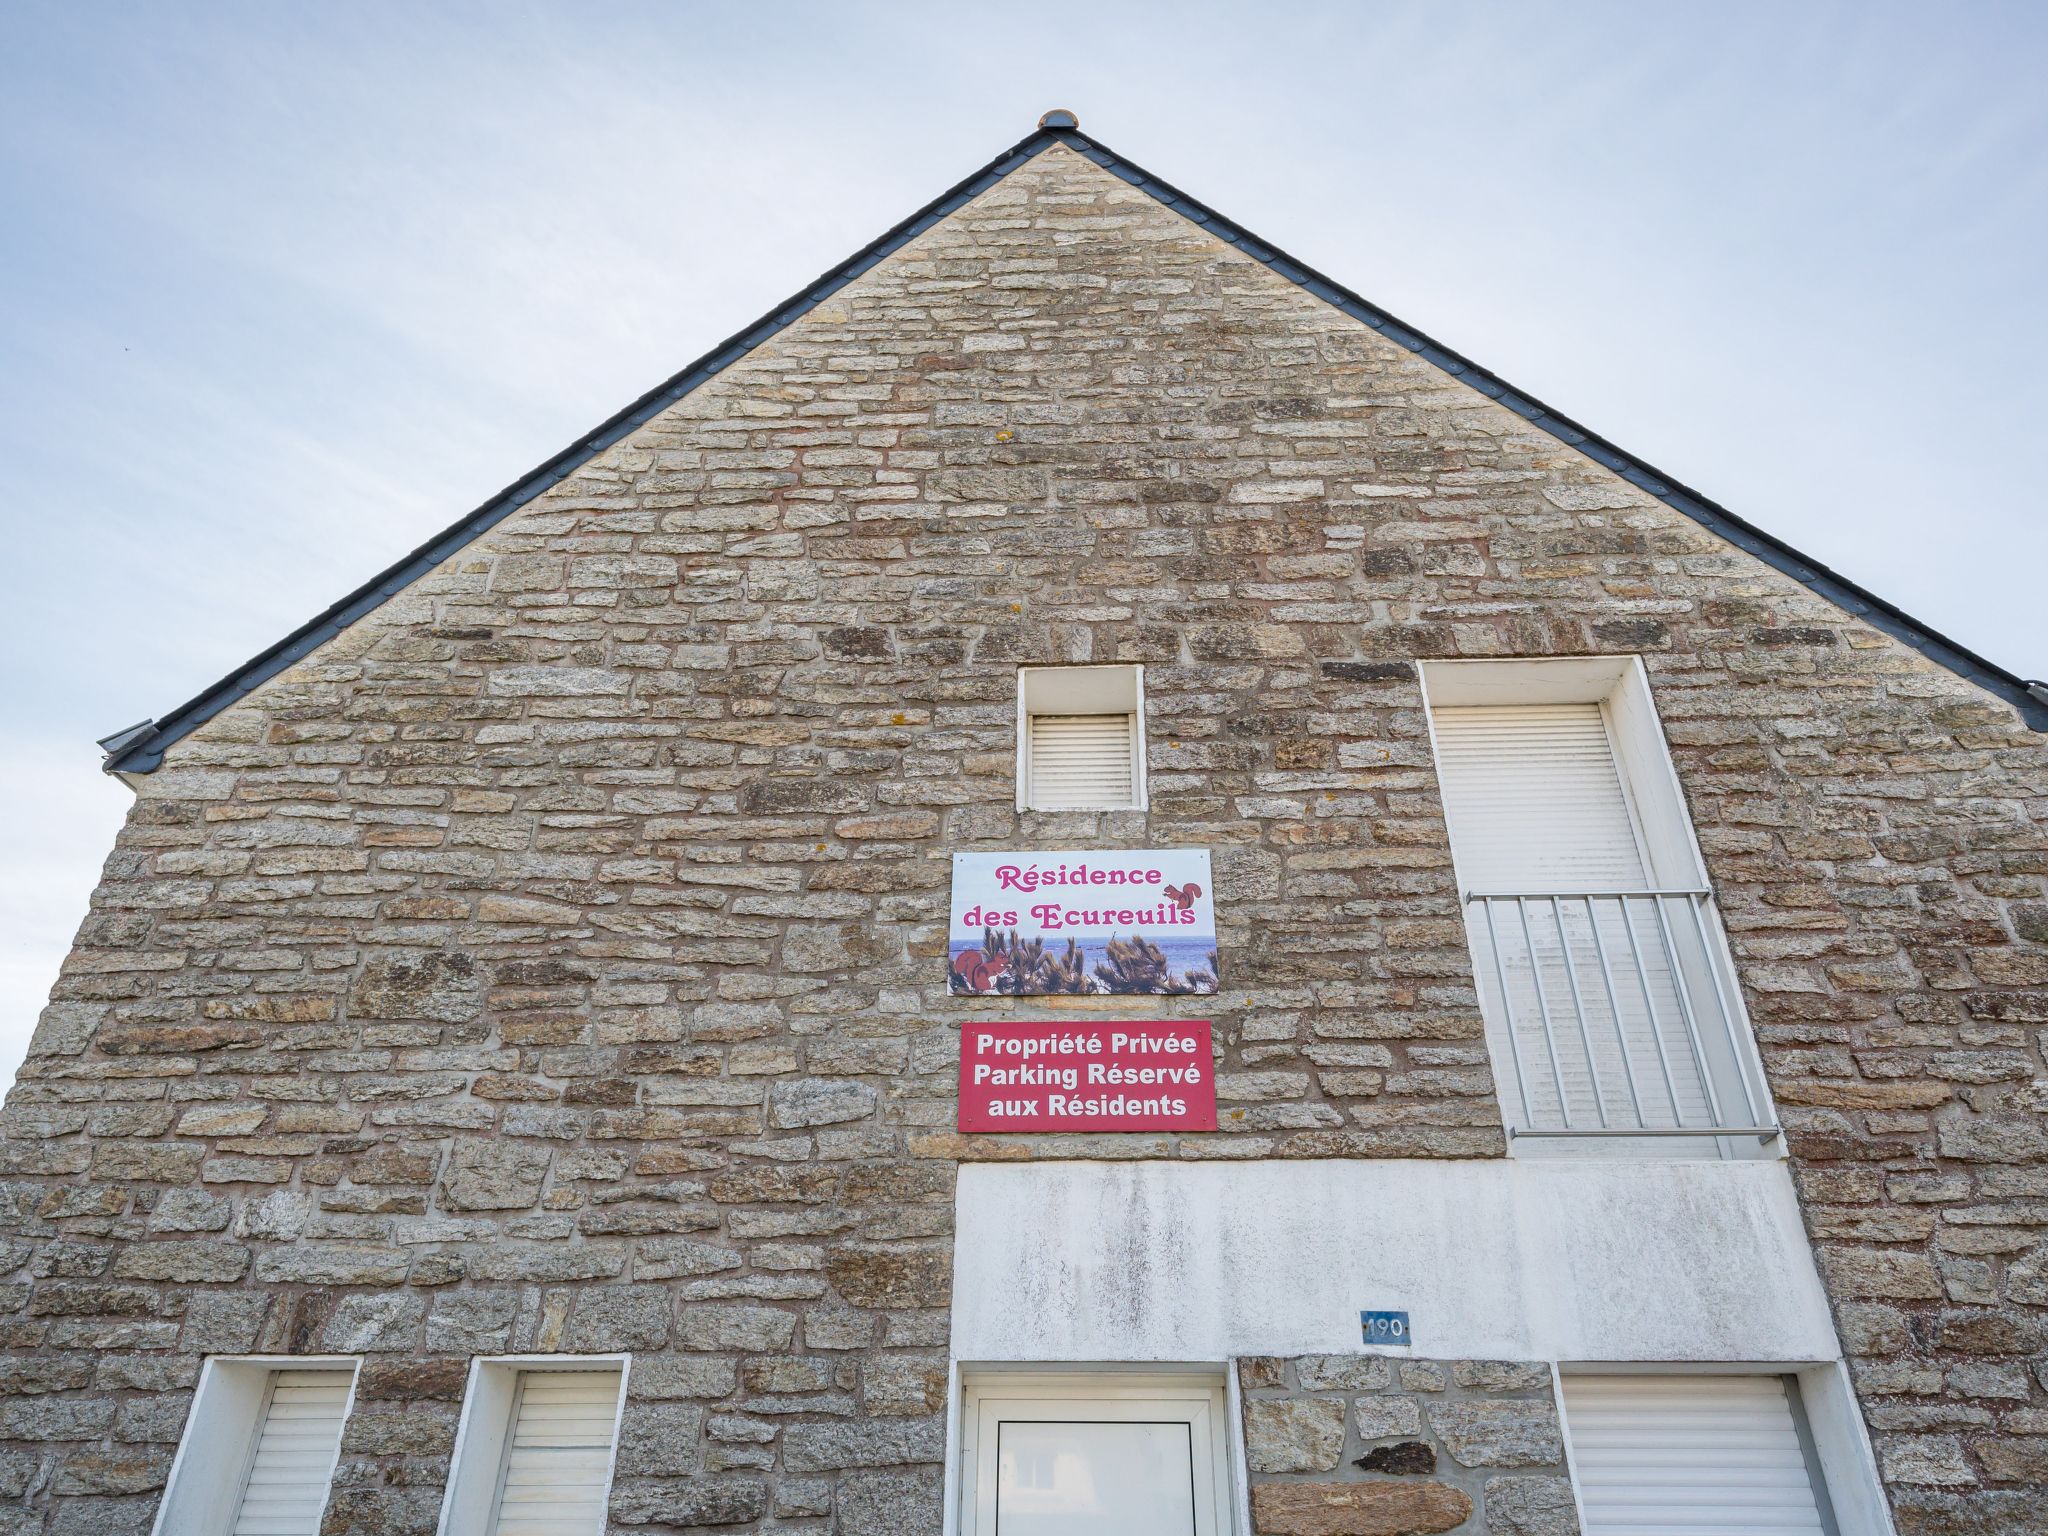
[{"x": 554, "y": 959}]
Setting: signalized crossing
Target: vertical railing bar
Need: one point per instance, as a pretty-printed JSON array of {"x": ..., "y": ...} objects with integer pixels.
[
  {"x": 1507, "y": 1003},
  {"x": 1571, "y": 976},
  {"x": 1628, "y": 1067},
  {"x": 1685, "y": 1010},
  {"x": 1710, "y": 957},
  {"x": 1635, "y": 951},
  {"x": 1564, "y": 1103}
]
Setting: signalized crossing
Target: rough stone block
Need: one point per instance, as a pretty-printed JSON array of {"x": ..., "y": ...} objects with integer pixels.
[
  {"x": 488, "y": 1176},
  {"x": 1358, "y": 1509},
  {"x": 891, "y": 1503},
  {"x": 1498, "y": 1433},
  {"x": 869, "y": 1443},
  {"x": 819, "y": 1101},
  {"x": 1530, "y": 1506},
  {"x": 891, "y": 1275},
  {"x": 1344, "y": 1373},
  {"x": 896, "y": 1385},
  {"x": 689, "y": 1502},
  {"x": 1385, "y": 1418},
  {"x": 1293, "y": 1434},
  {"x": 624, "y": 1319},
  {"x": 716, "y": 1328},
  {"x": 370, "y": 1324},
  {"x": 1404, "y": 1458},
  {"x": 659, "y": 1439},
  {"x": 332, "y": 1264},
  {"x": 190, "y": 1263}
]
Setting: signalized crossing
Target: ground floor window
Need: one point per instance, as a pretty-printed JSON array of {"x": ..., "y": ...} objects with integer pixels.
[
  {"x": 1094, "y": 1454},
  {"x": 534, "y": 1453},
  {"x": 1705, "y": 1452},
  {"x": 257, "y": 1457}
]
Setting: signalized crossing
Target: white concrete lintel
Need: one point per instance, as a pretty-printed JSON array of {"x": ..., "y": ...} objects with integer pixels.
[{"x": 1495, "y": 1259}]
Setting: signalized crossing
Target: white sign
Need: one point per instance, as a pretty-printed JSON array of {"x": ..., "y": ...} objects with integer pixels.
[{"x": 1102, "y": 921}]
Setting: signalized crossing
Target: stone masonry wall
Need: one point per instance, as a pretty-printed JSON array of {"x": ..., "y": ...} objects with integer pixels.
[
  {"x": 1359, "y": 1445},
  {"x": 555, "y": 959}
]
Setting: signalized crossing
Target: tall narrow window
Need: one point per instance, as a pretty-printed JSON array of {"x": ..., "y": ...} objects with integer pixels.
[
  {"x": 1610, "y": 1004},
  {"x": 1080, "y": 739},
  {"x": 535, "y": 1450},
  {"x": 1697, "y": 1452},
  {"x": 558, "y": 1456},
  {"x": 259, "y": 1449},
  {"x": 292, "y": 1459}
]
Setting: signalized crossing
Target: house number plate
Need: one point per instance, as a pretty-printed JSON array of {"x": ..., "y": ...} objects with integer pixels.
[{"x": 1389, "y": 1330}]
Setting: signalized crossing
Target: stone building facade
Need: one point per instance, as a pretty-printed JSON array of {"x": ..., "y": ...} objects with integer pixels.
[{"x": 550, "y": 957}]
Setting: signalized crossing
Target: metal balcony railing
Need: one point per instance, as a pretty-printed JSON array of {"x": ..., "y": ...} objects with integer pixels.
[{"x": 1620, "y": 1015}]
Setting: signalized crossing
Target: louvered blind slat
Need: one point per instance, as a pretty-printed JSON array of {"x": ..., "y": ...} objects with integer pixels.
[
  {"x": 558, "y": 1454},
  {"x": 1536, "y": 806},
  {"x": 296, "y": 1443},
  {"x": 1689, "y": 1455},
  {"x": 1535, "y": 800},
  {"x": 1082, "y": 762}
]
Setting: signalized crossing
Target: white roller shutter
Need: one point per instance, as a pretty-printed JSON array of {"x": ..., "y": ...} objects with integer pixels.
[
  {"x": 1537, "y": 808},
  {"x": 297, "y": 1440},
  {"x": 558, "y": 1454},
  {"x": 1673, "y": 1455},
  {"x": 1535, "y": 800},
  {"x": 1082, "y": 762}
]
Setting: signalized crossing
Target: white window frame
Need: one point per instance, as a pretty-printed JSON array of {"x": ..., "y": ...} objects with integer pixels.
[
  {"x": 1826, "y": 1402},
  {"x": 1087, "y": 689},
  {"x": 1665, "y": 836},
  {"x": 486, "y": 1422},
  {"x": 1201, "y": 1396},
  {"x": 211, "y": 1464},
  {"x": 1620, "y": 685}
]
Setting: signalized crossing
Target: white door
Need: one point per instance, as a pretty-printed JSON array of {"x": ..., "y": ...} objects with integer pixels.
[
  {"x": 1110, "y": 1459},
  {"x": 1682, "y": 1454},
  {"x": 1056, "y": 1478}
]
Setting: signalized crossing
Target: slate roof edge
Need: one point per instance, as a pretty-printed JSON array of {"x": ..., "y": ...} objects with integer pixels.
[
  {"x": 140, "y": 748},
  {"x": 2029, "y": 697}
]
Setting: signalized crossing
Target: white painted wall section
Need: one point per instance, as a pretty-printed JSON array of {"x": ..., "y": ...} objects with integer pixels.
[{"x": 1500, "y": 1259}]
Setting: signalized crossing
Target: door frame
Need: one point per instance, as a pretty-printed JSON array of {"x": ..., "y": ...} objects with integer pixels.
[{"x": 1197, "y": 1397}]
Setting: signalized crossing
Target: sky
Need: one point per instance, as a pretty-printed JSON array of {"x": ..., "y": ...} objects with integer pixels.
[{"x": 285, "y": 288}]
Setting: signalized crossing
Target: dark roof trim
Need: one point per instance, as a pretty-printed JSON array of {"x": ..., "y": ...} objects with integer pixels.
[
  {"x": 137, "y": 751},
  {"x": 140, "y": 749},
  {"x": 2030, "y": 698}
]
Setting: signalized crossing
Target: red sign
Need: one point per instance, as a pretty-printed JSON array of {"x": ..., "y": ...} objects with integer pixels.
[{"x": 1148, "y": 1076}]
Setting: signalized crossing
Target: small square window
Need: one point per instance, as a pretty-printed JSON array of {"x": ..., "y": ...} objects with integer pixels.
[{"x": 1080, "y": 739}]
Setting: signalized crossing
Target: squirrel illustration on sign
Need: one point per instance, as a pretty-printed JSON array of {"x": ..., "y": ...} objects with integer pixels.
[
  {"x": 978, "y": 971},
  {"x": 1183, "y": 896}
]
